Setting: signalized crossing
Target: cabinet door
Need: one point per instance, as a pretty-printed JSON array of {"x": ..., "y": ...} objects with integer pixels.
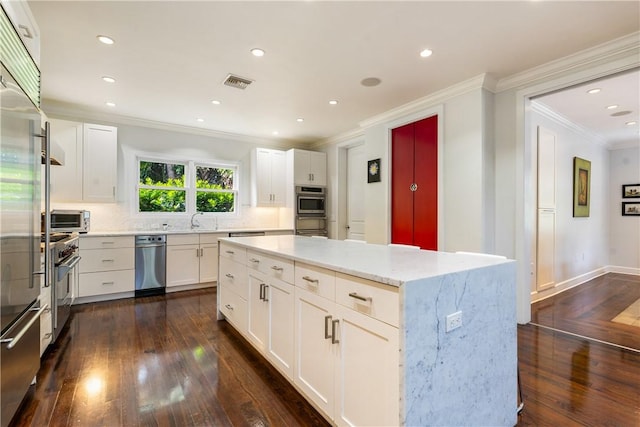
[
  {"x": 367, "y": 372},
  {"x": 315, "y": 353},
  {"x": 66, "y": 180},
  {"x": 318, "y": 168},
  {"x": 183, "y": 265},
  {"x": 263, "y": 177},
  {"x": 208, "y": 262},
  {"x": 99, "y": 163},
  {"x": 257, "y": 327},
  {"x": 278, "y": 178},
  {"x": 280, "y": 345},
  {"x": 301, "y": 173}
]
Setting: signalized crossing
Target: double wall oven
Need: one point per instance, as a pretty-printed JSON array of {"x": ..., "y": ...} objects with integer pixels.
[{"x": 311, "y": 214}]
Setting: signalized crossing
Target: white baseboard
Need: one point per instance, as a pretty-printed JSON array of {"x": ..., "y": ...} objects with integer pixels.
[
  {"x": 623, "y": 270},
  {"x": 568, "y": 284}
]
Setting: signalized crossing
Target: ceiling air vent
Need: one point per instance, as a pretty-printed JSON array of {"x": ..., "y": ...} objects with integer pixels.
[{"x": 237, "y": 82}]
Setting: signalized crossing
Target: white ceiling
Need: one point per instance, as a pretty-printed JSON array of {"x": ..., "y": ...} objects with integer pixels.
[{"x": 170, "y": 58}]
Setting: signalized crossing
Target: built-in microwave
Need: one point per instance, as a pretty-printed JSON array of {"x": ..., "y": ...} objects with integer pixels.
[
  {"x": 69, "y": 221},
  {"x": 310, "y": 201}
]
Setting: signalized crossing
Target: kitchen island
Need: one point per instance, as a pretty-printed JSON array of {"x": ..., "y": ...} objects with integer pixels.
[{"x": 378, "y": 335}]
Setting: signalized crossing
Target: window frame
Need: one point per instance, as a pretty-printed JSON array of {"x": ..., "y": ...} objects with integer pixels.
[{"x": 189, "y": 185}]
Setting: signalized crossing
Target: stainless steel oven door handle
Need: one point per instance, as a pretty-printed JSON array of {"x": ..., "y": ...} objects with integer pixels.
[
  {"x": 65, "y": 267},
  {"x": 13, "y": 341}
]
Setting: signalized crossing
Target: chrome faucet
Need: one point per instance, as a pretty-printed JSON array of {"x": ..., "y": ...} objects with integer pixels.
[{"x": 195, "y": 224}]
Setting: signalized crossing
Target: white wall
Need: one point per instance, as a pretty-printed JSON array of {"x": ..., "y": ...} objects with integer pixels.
[
  {"x": 134, "y": 140},
  {"x": 624, "y": 246}
]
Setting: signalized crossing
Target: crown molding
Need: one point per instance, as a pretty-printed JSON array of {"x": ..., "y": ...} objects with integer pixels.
[
  {"x": 625, "y": 144},
  {"x": 65, "y": 111},
  {"x": 628, "y": 45},
  {"x": 338, "y": 139},
  {"x": 563, "y": 121}
]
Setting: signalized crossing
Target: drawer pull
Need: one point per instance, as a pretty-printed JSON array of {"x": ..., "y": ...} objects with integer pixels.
[
  {"x": 108, "y": 260},
  {"x": 47, "y": 335},
  {"x": 108, "y": 243},
  {"x": 254, "y": 260},
  {"x": 310, "y": 280},
  {"x": 276, "y": 268},
  {"x": 229, "y": 307},
  {"x": 230, "y": 252},
  {"x": 229, "y": 275},
  {"x": 358, "y": 297},
  {"x": 107, "y": 283},
  {"x": 334, "y": 340},
  {"x": 326, "y": 327}
]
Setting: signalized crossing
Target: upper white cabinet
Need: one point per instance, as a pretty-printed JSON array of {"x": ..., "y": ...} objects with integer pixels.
[
  {"x": 25, "y": 25},
  {"x": 89, "y": 173},
  {"x": 269, "y": 177},
  {"x": 309, "y": 167}
]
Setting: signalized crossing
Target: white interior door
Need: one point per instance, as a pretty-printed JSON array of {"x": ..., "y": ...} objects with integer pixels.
[
  {"x": 546, "y": 215},
  {"x": 356, "y": 179}
]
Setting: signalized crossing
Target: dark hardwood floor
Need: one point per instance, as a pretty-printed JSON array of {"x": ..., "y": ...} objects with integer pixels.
[
  {"x": 167, "y": 361},
  {"x": 588, "y": 309}
]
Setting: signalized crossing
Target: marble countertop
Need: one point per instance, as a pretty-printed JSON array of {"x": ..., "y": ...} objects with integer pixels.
[
  {"x": 381, "y": 263},
  {"x": 186, "y": 231}
]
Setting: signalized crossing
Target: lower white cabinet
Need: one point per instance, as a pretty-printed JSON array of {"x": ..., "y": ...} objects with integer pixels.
[
  {"x": 192, "y": 258},
  {"x": 106, "y": 266}
]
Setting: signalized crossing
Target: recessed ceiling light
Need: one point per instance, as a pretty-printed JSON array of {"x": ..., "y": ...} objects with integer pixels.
[
  {"x": 631, "y": 123},
  {"x": 594, "y": 90},
  {"x": 612, "y": 107},
  {"x": 333, "y": 102},
  {"x": 108, "y": 79},
  {"x": 200, "y": 120},
  {"x": 370, "y": 81},
  {"x": 621, "y": 113},
  {"x": 299, "y": 120},
  {"x": 257, "y": 52},
  {"x": 275, "y": 132},
  {"x": 110, "y": 104},
  {"x": 426, "y": 53},
  {"x": 215, "y": 102},
  {"x": 105, "y": 39}
]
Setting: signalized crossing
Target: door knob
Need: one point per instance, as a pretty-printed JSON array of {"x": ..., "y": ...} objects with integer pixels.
[{"x": 413, "y": 187}]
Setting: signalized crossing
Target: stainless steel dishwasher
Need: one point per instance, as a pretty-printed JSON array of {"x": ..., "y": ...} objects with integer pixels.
[{"x": 151, "y": 265}]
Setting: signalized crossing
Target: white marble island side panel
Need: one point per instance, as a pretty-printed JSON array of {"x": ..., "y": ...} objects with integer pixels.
[{"x": 467, "y": 376}]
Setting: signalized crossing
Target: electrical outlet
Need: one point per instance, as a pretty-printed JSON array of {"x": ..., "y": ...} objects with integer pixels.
[{"x": 454, "y": 321}]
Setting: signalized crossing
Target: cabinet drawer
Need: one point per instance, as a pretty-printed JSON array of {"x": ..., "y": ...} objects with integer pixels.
[
  {"x": 107, "y": 260},
  {"x": 374, "y": 299},
  {"x": 106, "y": 242},
  {"x": 109, "y": 282},
  {"x": 233, "y": 252},
  {"x": 279, "y": 268},
  {"x": 211, "y": 237},
  {"x": 316, "y": 280},
  {"x": 234, "y": 308},
  {"x": 182, "y": 239},
  {"x": 234, "y": 276}
]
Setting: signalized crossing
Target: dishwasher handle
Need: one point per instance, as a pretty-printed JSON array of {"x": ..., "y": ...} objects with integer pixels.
[{"x": 159, "y": 245}]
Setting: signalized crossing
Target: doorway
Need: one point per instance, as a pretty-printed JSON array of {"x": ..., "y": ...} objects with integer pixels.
[{"x": 356, "y": 175}]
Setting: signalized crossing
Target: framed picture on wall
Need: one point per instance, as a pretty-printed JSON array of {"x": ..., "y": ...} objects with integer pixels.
[
  {"x": 373, "y": 170},
  {"x": 631, "y": 191},
  {"x": 581, "y": 187},
  {"x": 630, "y": 208}
]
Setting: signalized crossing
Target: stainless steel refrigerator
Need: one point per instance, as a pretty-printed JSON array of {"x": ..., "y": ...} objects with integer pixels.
[{"x": 20, "y": 267}]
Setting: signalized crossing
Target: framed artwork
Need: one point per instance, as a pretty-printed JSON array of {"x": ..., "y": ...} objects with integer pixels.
[
  {"x": 631, "y": 191},
  {"x": 630, "y": 208},
  {"x": 373, "y": 170},
  {"x": 581, "y": 187}
]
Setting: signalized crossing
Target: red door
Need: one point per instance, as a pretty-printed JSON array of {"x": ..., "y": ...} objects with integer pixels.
[{"x": 414, "y": 188}]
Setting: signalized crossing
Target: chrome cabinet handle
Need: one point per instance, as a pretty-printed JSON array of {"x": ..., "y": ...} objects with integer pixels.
[
  {"x": 229, "y": 275},
  {"x": 326, "y": 327},
  {"x": 47, "y": 335},
  {"x": 262, "y": 285},
  {"x": 276, "y": 268},
  {"x": 201, "y": 252},
  {"x": 310, "y": 280},
  {"x": 107, "y": 283},
  {"x": 230, "y": 252},
  {"x": 13, "y": 341},
  {"x": 334, "y": 340},
  {"x": 254, "y": 260},
  {"x": 229, "y": 307},
  {"x": 108, "y": 260},
  {"x": 361, "y": 298}
]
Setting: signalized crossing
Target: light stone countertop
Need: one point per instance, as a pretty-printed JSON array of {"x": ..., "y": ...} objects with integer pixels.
[
  {"x": 381, "y": 263},
  {"x": 186, "y": 231}
]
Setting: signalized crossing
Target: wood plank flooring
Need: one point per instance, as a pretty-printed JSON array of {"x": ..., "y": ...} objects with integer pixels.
[
  {"x": 588, "y": 309},
  {"x": 167, "y": 361}
]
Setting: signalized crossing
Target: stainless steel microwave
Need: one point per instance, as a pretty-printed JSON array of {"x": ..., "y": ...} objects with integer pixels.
[
  {"x": 69, "y": 221},
  {"x": 310, "y": 201}
]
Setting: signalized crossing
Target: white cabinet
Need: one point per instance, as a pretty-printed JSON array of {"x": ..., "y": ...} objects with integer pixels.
[
  {"x": 233, "y": 286},
  {"x": 106, "y": 267},
  {"x": 89, "y": 173},
  {"x": 309, "y": 167},
  {"x": 268, "y": 181},
  {"x": 192, "y": 259}
]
